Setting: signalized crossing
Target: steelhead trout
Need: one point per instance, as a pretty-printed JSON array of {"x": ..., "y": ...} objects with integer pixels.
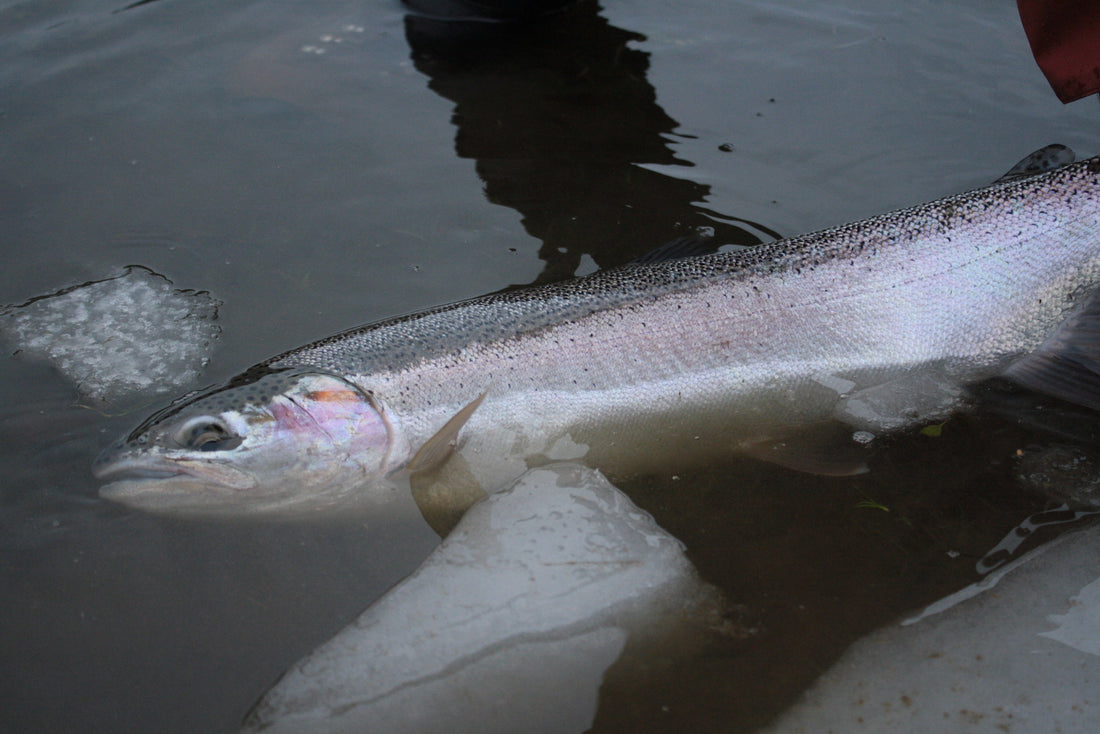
[{"x": 879, "y": 324}]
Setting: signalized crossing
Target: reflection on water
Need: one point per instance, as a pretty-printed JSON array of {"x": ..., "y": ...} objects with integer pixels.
[
  {"x": 562, "y": 122},
  {"x": 312, "y": 191}
]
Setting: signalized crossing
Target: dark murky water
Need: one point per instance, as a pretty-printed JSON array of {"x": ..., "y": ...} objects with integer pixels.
[{"x": 315, "y": 167}]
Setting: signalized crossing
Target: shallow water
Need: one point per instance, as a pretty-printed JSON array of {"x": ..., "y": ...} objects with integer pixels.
[{"x": 319, "y": 167}]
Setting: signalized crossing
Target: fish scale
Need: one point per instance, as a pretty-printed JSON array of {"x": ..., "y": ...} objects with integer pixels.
[
  {"x": 898, "y": 289},
  {"x": 970, "y": 221}
]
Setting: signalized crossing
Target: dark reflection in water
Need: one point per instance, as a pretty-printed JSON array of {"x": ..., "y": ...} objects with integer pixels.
[{"x": 561, "y": 120}]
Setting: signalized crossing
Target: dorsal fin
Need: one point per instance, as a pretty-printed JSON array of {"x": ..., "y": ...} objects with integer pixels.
[
  {"x": 688, "y": 245},
  {"x": 438, "y": 447},
  {"x": 1045, "y": 159}
]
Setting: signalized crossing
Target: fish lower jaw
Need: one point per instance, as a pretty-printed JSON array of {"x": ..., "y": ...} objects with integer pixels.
[
  {"x": 175, "y": 495},
  {"x": 117, "y": 475},
  {"x": 130, "y": 477},
  {"x": 126, "y": 469}
]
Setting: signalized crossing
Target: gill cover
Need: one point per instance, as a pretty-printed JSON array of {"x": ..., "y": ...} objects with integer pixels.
[{"x": 282, "y": 439}]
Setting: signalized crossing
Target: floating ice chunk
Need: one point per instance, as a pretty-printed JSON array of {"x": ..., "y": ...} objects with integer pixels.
[
  {"x": 838, "y": 384},
  {"x": 131, "y": 334},
  {"x": 508, "y": 626}
]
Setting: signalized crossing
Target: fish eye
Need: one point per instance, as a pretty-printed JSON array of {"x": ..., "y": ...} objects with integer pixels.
[{"x": 207, "y": 434}]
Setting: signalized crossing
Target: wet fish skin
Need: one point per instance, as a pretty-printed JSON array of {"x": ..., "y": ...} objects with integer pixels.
[{"x": 879, "y": 323}]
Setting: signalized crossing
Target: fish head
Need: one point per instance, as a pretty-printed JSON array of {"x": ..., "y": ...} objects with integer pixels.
[{"x": 282, "y": 441}]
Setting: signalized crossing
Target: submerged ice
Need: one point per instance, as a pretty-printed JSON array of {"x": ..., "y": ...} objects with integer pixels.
[
  {"x": 513, "y": 619},
  {"x": 131, "y": 334},
  {"x": 1016, "y": 651}
]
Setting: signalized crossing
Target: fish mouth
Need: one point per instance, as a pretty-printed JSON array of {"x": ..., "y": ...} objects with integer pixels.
[
  {"x": 128, "y": 475},
  {"x": 168, "y": 493},
  {"x": 187, "y": 488},
  {"x": 130, "y": 482},
  {"x": 112, "y": 467},
  {"x": 116, "y": 473},
  {"x": 119, "y": 462},
  {"x": 171, "y": 493},
  {"x": 127, "y": 481}
]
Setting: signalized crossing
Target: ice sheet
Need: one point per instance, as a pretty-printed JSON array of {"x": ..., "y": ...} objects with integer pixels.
[
  {"x": 1015, "y": 652},
  {"x": 513, "y": 619}
]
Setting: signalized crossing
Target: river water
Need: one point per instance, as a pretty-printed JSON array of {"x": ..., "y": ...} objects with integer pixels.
[{"x": 316, "y": 166}]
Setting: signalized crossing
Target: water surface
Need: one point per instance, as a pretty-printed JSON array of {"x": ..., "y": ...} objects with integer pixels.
[{"x": 317, "y": 167}]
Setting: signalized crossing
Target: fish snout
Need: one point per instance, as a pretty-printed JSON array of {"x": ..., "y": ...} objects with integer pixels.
[{"x": 106, "y": 463}]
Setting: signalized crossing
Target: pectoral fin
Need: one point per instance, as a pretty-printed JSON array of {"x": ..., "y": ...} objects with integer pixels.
[
  {"x": 826, "y": 450},
  {"x": 444, "y": 496},
  {"x": 437, "y": 448}
]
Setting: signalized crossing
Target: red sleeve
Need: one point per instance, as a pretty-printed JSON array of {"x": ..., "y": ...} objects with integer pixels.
[{"x": 1065, "y": 40}]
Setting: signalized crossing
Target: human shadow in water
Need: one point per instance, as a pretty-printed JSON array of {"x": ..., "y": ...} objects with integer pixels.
[{"x": 563, "y": 124}]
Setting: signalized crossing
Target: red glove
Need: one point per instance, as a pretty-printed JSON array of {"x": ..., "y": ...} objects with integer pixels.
[{"x": 1065, "y": 40}]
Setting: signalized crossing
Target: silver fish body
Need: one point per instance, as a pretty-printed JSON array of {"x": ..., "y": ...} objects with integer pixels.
[{"x": 879, "y": 324}]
